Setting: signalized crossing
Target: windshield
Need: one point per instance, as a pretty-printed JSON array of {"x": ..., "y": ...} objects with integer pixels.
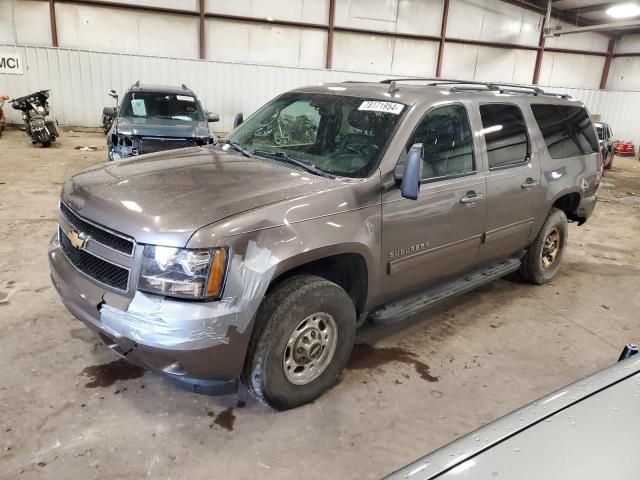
[
  {"x": 600, "y": 131},
  {"x": 337, "y": 134},
  {"x": 161, "y": 105}
]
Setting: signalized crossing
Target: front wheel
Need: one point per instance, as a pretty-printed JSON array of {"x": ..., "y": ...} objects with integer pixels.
[
  {"x": 543, "y": 258},
  {"x": 302, "y": 339}
]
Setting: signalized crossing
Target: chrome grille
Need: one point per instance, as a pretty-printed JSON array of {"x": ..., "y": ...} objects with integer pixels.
[
  {"x": 112, "y": 240},
  {"x": 100, "y": 270}
]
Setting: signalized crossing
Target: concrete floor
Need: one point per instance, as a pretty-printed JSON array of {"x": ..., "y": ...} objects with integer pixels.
[{"x": 490, "y": 351}]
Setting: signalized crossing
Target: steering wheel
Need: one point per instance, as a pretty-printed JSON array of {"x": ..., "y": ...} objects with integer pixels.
[{"x": 366, "y": 149}]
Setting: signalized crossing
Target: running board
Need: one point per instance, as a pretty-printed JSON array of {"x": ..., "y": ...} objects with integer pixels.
[{"x": 401, "y": 309}]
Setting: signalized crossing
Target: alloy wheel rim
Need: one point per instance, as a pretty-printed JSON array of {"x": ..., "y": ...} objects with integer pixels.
[
  {"x": 551, "y": 248},
  {"x": 310, "y": 348}
]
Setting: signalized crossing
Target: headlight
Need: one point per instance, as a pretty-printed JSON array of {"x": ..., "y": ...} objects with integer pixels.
[{"x": 182, "y": 272}]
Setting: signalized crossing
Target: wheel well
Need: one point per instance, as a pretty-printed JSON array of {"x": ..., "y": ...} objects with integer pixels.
[
  {"x": 569, "y": 205},
  {"x": 349, "y": 270}
]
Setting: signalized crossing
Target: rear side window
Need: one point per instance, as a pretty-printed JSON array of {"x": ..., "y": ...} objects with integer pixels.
[
  {"x": 567, "y": 130},
  {"x": 505, "y": 134}
]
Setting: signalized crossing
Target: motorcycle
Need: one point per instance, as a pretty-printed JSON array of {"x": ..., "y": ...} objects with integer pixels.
[
  {"x": 3, "y": 122},
  {"x": 287, "y": 130},
  {"x": 107, "y": 118},
  {"x": 35, "y": 110}
]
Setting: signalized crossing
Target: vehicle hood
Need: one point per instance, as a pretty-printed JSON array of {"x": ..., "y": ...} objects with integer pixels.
[
  {"x": 588, "y": 430},
  {"x": 161, "y": 127},
  {"x": 164, "y": 198}
]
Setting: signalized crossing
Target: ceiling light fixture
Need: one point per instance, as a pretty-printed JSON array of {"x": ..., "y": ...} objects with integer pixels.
[{"x": 624, "y": 10}]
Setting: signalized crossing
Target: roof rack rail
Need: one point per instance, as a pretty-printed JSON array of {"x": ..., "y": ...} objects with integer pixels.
[{"x": 462, "y": 85}]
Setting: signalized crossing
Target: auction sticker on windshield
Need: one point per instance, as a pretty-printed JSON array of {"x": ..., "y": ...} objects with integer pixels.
[
  {"x": 387, "y": 107},
  {"x": 185, "y": 98},
  {"x": 138, "y": 107}
]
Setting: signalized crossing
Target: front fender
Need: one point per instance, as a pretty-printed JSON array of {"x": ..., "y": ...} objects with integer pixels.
[
  {"x": 296, "y": 244},
  {"x": 259, "y": 257}
]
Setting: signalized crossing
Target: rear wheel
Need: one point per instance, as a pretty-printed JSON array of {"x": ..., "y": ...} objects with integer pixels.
[
  {"x": 302, "y": 339},
  {"x": 610, "y": 164},
  {"x": 542, "y": 260}
]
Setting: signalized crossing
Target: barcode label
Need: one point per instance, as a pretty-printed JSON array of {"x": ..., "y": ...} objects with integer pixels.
[{"x": 387, "y": 107}]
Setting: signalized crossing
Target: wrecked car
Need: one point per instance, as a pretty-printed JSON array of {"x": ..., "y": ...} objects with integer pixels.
[
  {"x": 153, "y": 118},
  {"x": 258, "y": 257}
]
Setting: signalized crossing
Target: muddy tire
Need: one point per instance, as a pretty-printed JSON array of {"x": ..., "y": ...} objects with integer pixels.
[
  {"x": 543, "y": 258},
  {"x": 610, "y": 164},
  {"x": 301, "y": 341}
]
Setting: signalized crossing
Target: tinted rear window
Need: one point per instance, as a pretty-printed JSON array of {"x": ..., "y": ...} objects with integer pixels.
[
  {"x": 505, "y": 134},
  {"x": 567, "y": 130}
]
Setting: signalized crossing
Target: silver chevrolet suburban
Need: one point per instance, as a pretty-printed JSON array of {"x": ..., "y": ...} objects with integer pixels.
[{"x": 258, "y": 257}]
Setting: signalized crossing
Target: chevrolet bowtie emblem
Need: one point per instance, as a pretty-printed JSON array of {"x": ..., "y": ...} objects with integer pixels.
[{"x": 77, "y": 239}]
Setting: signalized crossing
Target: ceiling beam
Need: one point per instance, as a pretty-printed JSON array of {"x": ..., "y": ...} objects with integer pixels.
[
  {"x": 555, "y": 13},
  {"x": 556, "y": 32},
  {"x": 592, "y": 8}
]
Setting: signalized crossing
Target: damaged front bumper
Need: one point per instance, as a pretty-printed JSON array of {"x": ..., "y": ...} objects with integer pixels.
[
  {"x": 199, "y": 345},
  {"x": 123, "y": 146}
]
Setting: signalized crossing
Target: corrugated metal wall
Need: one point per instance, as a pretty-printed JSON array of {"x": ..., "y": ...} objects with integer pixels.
[{"x": 79, "y": 81}]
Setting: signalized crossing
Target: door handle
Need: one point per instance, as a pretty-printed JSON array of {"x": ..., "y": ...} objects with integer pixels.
[
  {"x": 530, "y": 183},
  {"x": 471, "y": 198}
]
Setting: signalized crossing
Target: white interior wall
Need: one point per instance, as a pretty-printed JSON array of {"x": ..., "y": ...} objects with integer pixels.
[
  {"x": 488, "y": 63},
  {"x": 628, "y": 44},
  {"x": 174, "y": 4},
  {"x": 25, "y": 22},
  {"x": 493, "y": 21},
  {"x": 567, "y": 69},
  {"x": 624, "y": 74},
  {"x": 625, "y": 71},
  {"x": 422, "y": 17},
  {"x": 385, "y": 55},
  {"x": 237, "y": 41},
  {"x": 100, "y": 28},
  {"x": 311, "y": 11}
]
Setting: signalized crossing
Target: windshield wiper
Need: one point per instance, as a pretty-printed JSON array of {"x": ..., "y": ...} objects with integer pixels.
[
  {"x": 237, "y": 147},
  {"x": 282, "y": 156}
]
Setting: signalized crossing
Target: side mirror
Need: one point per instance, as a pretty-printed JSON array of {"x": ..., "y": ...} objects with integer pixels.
[
  {"x": 109, "y": 112},
  {"x": 213, "y": 117},
  {"x": 410, "y": 186},
  {"x": 238, "y": 119}
]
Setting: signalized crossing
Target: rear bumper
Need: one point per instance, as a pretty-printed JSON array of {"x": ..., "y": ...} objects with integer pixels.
[
  {"x": 192, "y": 343},
  {"x": 585, "y": 209}
]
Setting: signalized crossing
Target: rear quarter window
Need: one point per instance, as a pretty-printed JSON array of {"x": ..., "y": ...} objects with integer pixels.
[{"x": 567, "y": 130}]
